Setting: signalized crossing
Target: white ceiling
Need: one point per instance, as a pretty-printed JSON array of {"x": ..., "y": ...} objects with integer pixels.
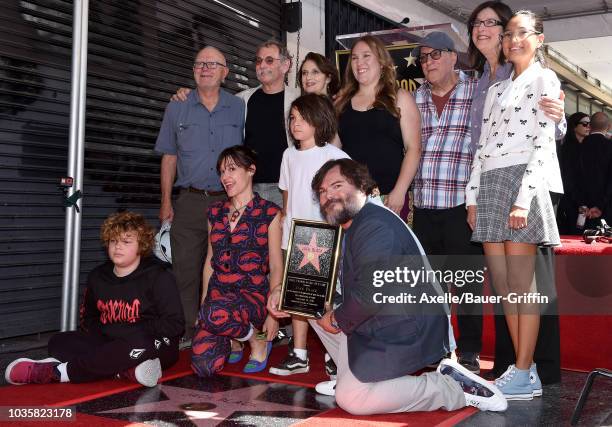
[{"x": 581, "y": 30}]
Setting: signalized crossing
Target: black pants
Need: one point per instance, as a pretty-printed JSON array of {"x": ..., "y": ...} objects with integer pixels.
[
  {"x": 92, "y": 357},
  {"x": 446, "y": 232}
]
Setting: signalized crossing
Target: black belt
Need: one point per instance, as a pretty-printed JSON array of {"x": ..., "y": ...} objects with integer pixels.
[{"x": 207, "y": 193}]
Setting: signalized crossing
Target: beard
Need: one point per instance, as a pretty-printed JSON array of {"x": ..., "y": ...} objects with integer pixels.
[{"x": 343, "y": 212}]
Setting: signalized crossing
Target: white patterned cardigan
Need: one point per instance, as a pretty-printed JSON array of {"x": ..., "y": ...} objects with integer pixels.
[{"x": 516, "y": 131}]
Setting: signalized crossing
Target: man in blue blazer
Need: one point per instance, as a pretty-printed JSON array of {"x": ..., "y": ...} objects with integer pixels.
[{"x": 378, "y": 345}]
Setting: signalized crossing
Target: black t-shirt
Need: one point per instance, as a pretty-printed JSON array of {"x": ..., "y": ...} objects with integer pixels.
[{"x": 265, "y": 133}]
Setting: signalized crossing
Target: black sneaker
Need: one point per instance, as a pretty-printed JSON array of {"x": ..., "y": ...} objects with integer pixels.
[
  {"x": 291, "y": 365},
  {"x": 330, "y": 367},
  {"x": 470, "y": 361}
]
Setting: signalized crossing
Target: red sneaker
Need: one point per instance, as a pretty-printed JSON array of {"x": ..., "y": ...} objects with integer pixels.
[
  {"x": 28, "y": 371},
  {"x": 147, "y": 373}
]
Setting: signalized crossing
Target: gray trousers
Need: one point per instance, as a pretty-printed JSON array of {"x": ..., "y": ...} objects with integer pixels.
[
  {"x": 189, "y": 241},
  {"x": 426, "y": 392}
]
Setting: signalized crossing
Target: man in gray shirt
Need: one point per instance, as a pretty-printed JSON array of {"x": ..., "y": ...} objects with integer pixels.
[
  {"x": 266, "y": 112},
  {"x": 192, "y": 135}
]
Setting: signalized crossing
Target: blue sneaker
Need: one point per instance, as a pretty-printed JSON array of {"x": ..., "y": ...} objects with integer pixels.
[
  {"x": 536, "y": 384},
  {"x": 515, "y": 384}
]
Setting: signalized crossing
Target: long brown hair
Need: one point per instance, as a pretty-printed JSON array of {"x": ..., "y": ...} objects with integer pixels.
[
  {"x": 386, "y": 90},
  {"x": 504, "y": 13}
]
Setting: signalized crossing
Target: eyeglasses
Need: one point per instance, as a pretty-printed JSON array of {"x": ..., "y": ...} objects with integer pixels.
[
  {"x": 520, "y": 35},
  {"x": 435, "y": 54},
  {"x": 585, "y": 124},
  {"x": 268, "y": 60},
  {"x": 210, "y": 65},
  {"x": 487, "y": 23}
]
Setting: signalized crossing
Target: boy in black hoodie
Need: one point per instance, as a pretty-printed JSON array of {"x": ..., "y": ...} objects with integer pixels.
[{"x": 131, "y": 318}]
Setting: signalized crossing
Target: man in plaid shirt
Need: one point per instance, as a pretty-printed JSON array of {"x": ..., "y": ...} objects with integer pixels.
[{"x": 440, "y": 218}]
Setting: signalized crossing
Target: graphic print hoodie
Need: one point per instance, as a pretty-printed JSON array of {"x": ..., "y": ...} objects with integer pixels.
[{"x": 145, "y": 301}]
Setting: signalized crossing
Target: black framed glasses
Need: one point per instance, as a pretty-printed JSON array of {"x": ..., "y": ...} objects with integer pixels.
[
  {"x": 268, "y": 60},
  {"x": 520, "y": 35},
  {"x": 434, "y": 54},
  {"x": 486, "y": 22},
  {"x": 585, "y": 124},
  {"x": 210, "y": 65}
]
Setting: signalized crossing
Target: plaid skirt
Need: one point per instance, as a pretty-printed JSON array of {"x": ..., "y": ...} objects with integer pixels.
[{"x": 497, "y": 193}]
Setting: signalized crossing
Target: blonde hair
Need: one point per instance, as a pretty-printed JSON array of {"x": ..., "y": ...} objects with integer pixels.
[{"x": 386, "y": 91}]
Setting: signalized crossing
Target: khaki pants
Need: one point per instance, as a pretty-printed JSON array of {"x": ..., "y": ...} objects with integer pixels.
[
  {"x": 189, "y": 241},
  {"x": 426, "y": 392}
]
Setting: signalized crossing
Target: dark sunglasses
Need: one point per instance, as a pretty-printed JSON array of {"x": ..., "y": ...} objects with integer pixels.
[
  {"x": 268, "y": 60},
  {"x": 434, "y": 54},
  {"x": 585, "y": 124}
]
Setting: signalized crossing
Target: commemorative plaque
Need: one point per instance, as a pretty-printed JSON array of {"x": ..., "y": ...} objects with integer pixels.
[{"x": 310, "y": 275}]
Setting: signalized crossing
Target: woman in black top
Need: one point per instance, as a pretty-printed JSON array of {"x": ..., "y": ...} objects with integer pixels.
[
  {"x": 379, "y": 124},
  {"x": 578, "y": 127}
]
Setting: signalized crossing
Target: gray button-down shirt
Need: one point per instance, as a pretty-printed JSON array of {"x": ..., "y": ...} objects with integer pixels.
[
  {"x": 197, "y": 136},
  {"x": 502, "y": 72}
]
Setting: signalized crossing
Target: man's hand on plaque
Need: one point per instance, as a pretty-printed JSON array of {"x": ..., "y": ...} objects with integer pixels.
[
  {"x": 270, "y": 327},
  {"x": 274, "y": 301},
  {"x": 328, "y": 322}
]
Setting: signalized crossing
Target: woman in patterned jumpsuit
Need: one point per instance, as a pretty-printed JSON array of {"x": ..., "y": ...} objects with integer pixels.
[{"x": 242, "y": 264}]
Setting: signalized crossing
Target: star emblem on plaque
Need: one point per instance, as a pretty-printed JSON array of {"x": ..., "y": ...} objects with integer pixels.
[{"x": 311, "y": 265}]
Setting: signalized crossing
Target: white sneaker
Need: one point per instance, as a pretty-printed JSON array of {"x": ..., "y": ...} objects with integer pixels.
[
  {"x": 149, "y": 372},
  {"x": 478, "y": 392},
  {"x": 327, "y": 388}
]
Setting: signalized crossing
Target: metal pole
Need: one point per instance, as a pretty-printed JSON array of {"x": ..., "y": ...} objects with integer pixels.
[
  {"x": 80, "y": 160},
  {"x": 72, "y": 230}
]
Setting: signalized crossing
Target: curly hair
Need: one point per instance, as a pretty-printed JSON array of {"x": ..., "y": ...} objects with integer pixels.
[
  {"x": 123, "y": 222},
  {"x": 386, "y": 91},
  {"x": 326, "y": 68},
  {"x": 318, "y": 111}
]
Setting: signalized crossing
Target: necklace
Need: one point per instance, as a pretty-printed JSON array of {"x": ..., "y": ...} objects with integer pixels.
[{"x": 234, "y": 215}]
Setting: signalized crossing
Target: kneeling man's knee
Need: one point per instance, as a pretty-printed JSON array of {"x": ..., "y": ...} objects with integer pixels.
[{"x": 350, "y": 401}]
